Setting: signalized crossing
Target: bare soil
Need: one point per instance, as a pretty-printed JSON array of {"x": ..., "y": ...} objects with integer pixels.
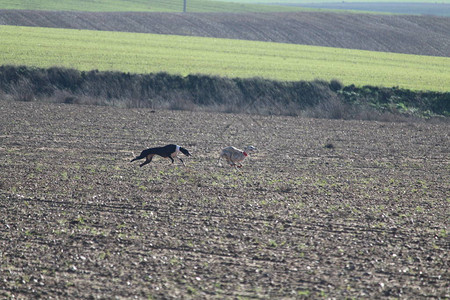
[
  {"x": 422, "y": 35},
  {"x": 325, "y": 208}
]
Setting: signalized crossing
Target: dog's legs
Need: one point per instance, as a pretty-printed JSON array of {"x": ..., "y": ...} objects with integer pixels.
[
  {"x": 182, "y": 161},
  {"x": 149, "y": 159},
  {"x": 171, "y": 159}
]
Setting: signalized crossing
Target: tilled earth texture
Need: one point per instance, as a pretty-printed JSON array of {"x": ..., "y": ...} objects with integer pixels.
[{"x": 324, "y": 209}]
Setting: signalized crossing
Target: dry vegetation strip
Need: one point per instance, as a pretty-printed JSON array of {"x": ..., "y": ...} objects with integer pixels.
[
  {"x": 339, "y": 209},
  {"x": 141, "y": 6},
  {"x": 199, "y": 92}
]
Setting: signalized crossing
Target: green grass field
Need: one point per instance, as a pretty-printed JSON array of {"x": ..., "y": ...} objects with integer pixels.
[
  {"x": 145, "y": 53},
  {"x": 335, "y": 1},
  {"x": 142, "y": 5}
]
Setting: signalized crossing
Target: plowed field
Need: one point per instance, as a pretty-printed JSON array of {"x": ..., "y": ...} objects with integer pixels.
[
  {"x": 422, "y": 35},
  {"x": 323, "y": 209}
]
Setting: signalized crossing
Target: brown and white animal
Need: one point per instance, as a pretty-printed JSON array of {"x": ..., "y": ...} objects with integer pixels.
[{"x": 235, "y": 156}]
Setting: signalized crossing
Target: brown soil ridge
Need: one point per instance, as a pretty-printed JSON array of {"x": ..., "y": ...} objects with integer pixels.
[{"x": 421, "y": 35}]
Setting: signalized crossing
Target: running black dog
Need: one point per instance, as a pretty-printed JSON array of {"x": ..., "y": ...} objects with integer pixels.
[{"x": 169, "y": 151}]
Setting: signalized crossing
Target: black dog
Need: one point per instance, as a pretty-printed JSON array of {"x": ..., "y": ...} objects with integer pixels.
[{"x": 169, "y": 151}]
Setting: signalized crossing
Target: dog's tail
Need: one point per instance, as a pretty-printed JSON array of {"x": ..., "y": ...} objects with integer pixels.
[
  {"x": 184, "y": 151},
  {"x": 138, "y": 157}
]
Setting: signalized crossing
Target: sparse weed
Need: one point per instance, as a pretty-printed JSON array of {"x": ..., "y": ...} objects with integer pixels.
[
  {"x": 305, "y": 293},
  {"x": 39, "y": 168},
  {"x": 191, "y": 290},
  {"x": 420, "y": 209},
  {"x": 272, "y": 244},
  {"x": 64, "y": 176}
]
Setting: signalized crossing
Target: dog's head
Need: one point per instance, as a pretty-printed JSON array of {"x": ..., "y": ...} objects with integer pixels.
[{"x": 184, "y": 151}]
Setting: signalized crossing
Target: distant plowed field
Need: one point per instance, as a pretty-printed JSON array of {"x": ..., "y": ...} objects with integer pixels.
[
  {"x": 422, "y": 35},
  {"x": 324, "y": 209}
]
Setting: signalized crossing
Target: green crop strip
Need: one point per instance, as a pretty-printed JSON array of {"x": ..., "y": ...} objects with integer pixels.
[
  {"x": 336, "y": 1},
  {"x": 141, "y": 5},
  {"x": 146, "y": 53}
]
